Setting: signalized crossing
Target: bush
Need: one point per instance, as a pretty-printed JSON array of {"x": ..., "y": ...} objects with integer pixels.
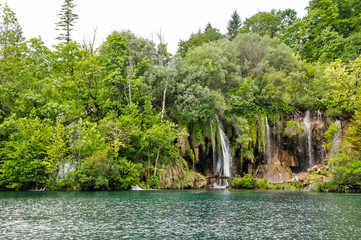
[
  {"x": 153, "y": 181},
  {"x": 261, "y": 183},
  {"x": 247, "y": 182}
]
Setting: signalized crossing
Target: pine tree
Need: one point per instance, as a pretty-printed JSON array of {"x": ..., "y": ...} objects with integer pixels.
[
  {"x": 234, "y": 24},
  {"x": 67, "y": 20},
  {"x": 11, "y": 33}
]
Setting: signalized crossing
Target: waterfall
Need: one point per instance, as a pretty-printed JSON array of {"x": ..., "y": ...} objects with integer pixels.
[
  {"x": 64, "y": 170},
  {"x": 336, "y": 139},
  {"x": 320, "y": 123},
  {"x": 263, "y": 135},
  {"x": 319, "y": 116},
  {"x": 268, "y": 148},
  {"x": 223, "y": 162},
  {"x": 307, "y": 123},
  {"x": 135, "y": 188},
  {"x": 214, "y": 150}
]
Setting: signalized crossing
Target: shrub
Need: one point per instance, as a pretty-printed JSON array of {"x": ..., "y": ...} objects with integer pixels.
[
  {"x": 153, "y": 181},
  {"x": 247, "y": 182},
  {"x": 261, "y": 183}
]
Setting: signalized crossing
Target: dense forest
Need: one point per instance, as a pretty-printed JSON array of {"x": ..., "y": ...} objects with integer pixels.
[{"x": 129, "y": 113}]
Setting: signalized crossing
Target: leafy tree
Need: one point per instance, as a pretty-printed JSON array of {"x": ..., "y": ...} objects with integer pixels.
[
  {"x": 67, "y": 21},
  {"x": 354, "y": 131},
  {"x": 125, "y": 174},
  {"x": 210, "y": 34},
  {"x": 352, "y": 47},
  {"x": 12, "y": 48},
  {"x": 343, "y": 83},
  {"x": 263, "y": 23},
  {"x": 23, "y": 153},
  {"x": 234, "y": 24}
]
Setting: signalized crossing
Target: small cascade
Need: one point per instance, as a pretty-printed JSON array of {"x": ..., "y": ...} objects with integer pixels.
[
  {"x": 280, "y": 177},
  {"x": 64, "y": 170},
  {"x": 136, "y": 188},
  {"x": 336, "y": 139},
  {"x": 319, "y": 116},
  {"x": 214, "y": 150},
  {"x": 223, "y": 162},
  {"x": 263, "y": 135},
  {"x": 268, "y": 149},
  {"x": 307, "y": 123},
  {"x": 320, "y": 124}
]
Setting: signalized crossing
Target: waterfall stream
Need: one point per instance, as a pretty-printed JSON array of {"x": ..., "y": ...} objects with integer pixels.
[
  {"x": 268, "y": 149},
  {"x": 308, "y": 133},
  {"x": 214, "y": 150},
  {"x": 223, "y": 162},
  {"x": 336, "y": 139}
]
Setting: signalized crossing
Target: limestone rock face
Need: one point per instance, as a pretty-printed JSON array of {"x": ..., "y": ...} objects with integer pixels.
[
  {"x": 285, "y": 147},
  {"x": 295, "y": 153},
  {"x": 177, "y": 176}
]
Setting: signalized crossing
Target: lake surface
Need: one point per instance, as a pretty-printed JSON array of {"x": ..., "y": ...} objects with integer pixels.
[{"x": 191, "y": 214}]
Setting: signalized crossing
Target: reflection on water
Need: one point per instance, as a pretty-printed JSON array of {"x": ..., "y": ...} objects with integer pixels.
[{"x": 192, "y": 214}]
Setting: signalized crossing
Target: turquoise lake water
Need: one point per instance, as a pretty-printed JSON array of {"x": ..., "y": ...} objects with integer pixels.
[{"x": 180, "y": 214}]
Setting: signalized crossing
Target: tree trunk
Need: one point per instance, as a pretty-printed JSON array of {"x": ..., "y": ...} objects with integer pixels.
[{"x": 164, "y": 96}]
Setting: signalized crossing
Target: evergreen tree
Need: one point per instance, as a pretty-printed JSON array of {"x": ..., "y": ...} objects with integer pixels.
[
  {"x": 67, "y": 20},
  {"x": 234, "y": 24}
]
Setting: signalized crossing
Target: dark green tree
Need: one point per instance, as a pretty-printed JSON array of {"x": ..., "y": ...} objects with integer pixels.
[
  {"x": 234, "y": 24},
  {"x": 210, "y": 34},
  {"x": 67, "y": 20}
]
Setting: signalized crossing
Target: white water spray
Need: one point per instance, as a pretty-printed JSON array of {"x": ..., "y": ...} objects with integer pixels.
[
  {"x": 214, "y": 150},
  {"x": 336, "y": 139},
  {"x": 308, "y": 133},
  {"x": 223, "y": 167},
  {"x": 268, "y": 149},
  {"x": 319, "y": 116}
]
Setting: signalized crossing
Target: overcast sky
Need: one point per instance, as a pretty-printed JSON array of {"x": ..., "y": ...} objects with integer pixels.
[{"x": 177, "y": 19}]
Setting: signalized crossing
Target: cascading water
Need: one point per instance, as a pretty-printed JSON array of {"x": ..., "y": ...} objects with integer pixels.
[
  {"x": 214, "y": 150},
  {"x": 223, "y": 162},
  {"x": 268, "y": 149},
  {"x": 64, "y": 170},
  {"x": 307, "y": 123},
  {"x": 319, "y": 116},
  {"x": 336, "y": 139},
  {"x": 263, "y": 135}
]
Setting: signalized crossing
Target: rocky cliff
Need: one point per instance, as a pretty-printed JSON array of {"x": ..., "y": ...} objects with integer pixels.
[{"x": 282, "y": 147}]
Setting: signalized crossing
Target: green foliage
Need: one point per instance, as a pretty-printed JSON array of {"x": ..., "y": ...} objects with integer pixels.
[
  {"x": 292, "y": 128},
  {"x": 153, "y": 181},
  {"x": 325, "y": 27},
  {"x": 76, "y": 118},
  {"x": 246, "y": 182},
  {"x": 330, "y": 134},
  {"x": 261, "y": 183},
  {"x": 270, "y": 23},
  {"x": 23, "y": 153},
  {"x": 346, "y": 166},
  {"x": 234, "y": 24},
  {"x": 354, "y": 131},
  {"x": 67, "y": 20},
  {"x": 125, "y": 174},
  {"x": 92, "y": 174},
  {"x": 210, "y": 34}
]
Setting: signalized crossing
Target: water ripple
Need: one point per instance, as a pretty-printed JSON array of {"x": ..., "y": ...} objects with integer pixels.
[{"x": 220, "y": 214}]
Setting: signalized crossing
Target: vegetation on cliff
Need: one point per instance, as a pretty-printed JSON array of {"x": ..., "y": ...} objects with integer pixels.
[{"x": 81, "y": 118}]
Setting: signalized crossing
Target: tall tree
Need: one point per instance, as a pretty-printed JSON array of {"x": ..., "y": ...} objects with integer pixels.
[
  {"x": 67, "y": 20},
  {"x": 234, "y": 24}
]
